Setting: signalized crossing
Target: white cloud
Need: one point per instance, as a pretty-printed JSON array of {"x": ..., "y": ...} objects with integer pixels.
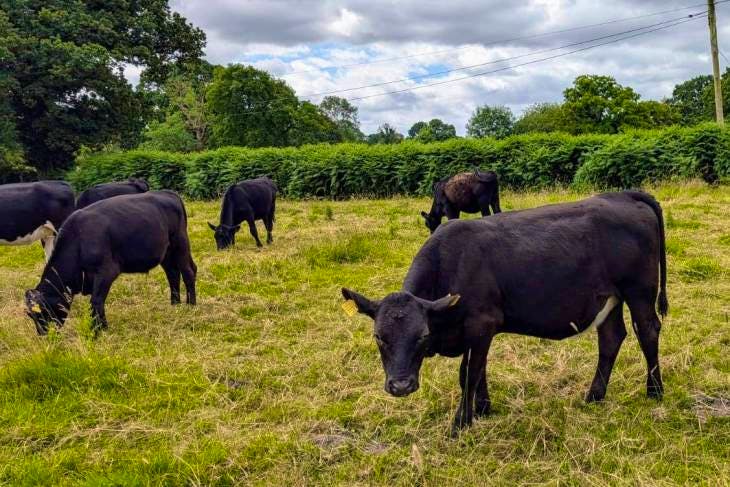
[{"x": 297, "y": 39}]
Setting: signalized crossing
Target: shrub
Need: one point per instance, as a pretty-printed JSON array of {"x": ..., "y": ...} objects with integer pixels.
[{"x": 532, "y": 161}]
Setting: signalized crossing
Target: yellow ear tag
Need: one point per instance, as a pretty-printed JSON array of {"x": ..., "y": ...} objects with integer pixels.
[
  {"x": 35, "y": 308},
  {"x": 350, "y": 307}
]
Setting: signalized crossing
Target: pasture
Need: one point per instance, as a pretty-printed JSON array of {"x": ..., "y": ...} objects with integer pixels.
[{"x": 268, "y": 382}]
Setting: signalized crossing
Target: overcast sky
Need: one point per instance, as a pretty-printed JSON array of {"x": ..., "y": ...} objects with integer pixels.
[{"x": 296, "y": 39}]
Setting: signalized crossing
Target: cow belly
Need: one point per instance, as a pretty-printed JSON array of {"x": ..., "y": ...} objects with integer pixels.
[
  {"x": 560, "y": 322},
  {"x": 43, "y": 232}
]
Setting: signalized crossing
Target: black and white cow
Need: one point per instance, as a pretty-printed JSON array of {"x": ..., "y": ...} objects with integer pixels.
[
  {"x": 31, "y": 212},
  {"x": 251, "y": 200},
  {"x": 549, "y": 272},
  {"x": 124, "y": 234},
  {"x": 108, "y": 190}
]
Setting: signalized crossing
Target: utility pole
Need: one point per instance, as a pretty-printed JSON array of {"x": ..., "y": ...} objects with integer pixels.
[{"x": 711, "y": 19}]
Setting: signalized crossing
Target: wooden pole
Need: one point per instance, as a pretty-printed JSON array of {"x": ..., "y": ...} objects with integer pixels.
[{"x": 712, "y": 21}]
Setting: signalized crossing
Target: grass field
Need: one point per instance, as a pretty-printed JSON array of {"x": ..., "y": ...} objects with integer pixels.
[{"x": 268, "y": 382}]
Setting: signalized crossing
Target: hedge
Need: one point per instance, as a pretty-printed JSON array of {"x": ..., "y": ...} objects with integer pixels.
[{"x": 410, "y": 168}]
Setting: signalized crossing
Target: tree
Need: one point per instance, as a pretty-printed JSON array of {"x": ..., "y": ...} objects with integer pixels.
[
  {"x": 386, "y": 134},
  {"x": 345, "y": 117},
  {"x": 598, "y": 104},
  {"x": 68, "y": 87},
  {"x": 488, "y": 121},
  {"x": 187, "y": 98},
  {"x": 415, "y": 128},
  {"x": 541, "y": 117},
  {"x": 171, "y": 134},
  {"x": 688, "y": 98},
  {"x": 311, "y": 126},
  {"x": 709, "y": 97},
  {"x": 433, "y": 131}
]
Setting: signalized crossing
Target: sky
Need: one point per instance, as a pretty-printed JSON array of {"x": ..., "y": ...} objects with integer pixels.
[{"x": 321, "y": 46}]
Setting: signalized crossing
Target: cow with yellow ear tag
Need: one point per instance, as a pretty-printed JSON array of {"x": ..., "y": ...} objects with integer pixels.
[{"x": 551, "y": 272}]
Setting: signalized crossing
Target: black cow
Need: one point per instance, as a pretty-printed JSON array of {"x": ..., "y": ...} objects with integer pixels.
[
  {"x": 107, "y": 190},
  {"x": 34, "y": 211},
  {"x": 247, "y": 201},
  {"x": 125, "y": 234},
  {"x": 469, "y": 192},
  {"x": 549, "y": 272}
]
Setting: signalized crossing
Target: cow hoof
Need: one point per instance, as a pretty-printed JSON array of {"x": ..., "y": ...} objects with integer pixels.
[
  {"x": 595, "y": 396},
  {"x": 482, "y": 409}
]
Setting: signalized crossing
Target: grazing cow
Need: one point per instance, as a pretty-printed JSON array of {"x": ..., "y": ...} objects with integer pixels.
[
  {"x": 126, "y": 234},
  {"x": 107, "y": 190},
  {"x": 34, "y": 211},
  {"x": 469, "y": 192},
  {"x": 549, "y": 272},
  {"x": 247, "y": 201}
]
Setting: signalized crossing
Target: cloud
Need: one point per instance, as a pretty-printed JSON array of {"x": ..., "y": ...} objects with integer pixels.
[{"x": 305, "y": 42}]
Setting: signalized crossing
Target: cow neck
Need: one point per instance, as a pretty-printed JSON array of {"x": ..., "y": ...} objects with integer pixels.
[
  {"x": 227, "y": 209},
  {"x": 61, "y": 274},
  {"x": 423, "y": 277}
]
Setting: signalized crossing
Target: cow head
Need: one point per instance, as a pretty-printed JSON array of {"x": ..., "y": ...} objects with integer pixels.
[
  {"x": 225, "y": 235},
  {"x": 140, "y": 184},
  {"x": 45, "y": 309},
  {"x": 403, "y": 331},
  {"x": 432, "y": 221}
]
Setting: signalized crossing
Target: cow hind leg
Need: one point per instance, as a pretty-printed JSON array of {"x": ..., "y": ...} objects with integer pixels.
[
  {"x": 647, "y": 326},
  {"x": 189, "y": 273},
  {"x": 269, "y": 224},
  {"x": 611, "y": 334},
  {"x": 173, "y": 278},
  {"x": 254, "y": 232}
]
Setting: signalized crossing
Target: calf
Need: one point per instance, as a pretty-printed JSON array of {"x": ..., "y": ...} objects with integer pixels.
[
  {"x": 126, "y": 234},
  {"x": 247, "y": 201},
  {"x": 469, "y": 192},
  {"x": 107, "y": 190},
  {"x": 549, "y": 272},
  {"x": 32, "y": 212}
]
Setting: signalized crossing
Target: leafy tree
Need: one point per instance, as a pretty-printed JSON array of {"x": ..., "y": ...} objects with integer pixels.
[
  {"x": 171, "y": 134},
  {"x": 434, "y": 131},
  {"x": 345, "y": 117},
  {"x": 386, "y": 134},
  {"x": 541, "y": 117},
  {"x": 68, "y": 87},
  {"x": 653, "y": 114},
  {"x": 187, "y": 98},
  {"x": 415, "y": 128},
  {"x": 688, "y": 98},
  {"x": 709, "y": 97},
  {"x": 311, "y": 126},
  {"x": 491, "y": 121},
  {"x": 598, "y": 104}
]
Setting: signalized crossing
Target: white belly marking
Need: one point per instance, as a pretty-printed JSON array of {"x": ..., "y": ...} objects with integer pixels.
[
  {"x": 611, "y": 303},
  {"x": 44, "y": 231}
]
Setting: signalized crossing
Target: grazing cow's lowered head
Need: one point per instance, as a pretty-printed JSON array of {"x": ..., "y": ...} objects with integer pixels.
[
  {"x": 404, "y": 326},
  {"x": 140, "y": 183},
  {"x": 225, "y": 235},
  {"x": 46, "y": 308},
  {"x": 432, "y": 221}
]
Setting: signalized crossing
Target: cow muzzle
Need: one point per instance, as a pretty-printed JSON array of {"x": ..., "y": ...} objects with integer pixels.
[{"x": 401, "y": 387}]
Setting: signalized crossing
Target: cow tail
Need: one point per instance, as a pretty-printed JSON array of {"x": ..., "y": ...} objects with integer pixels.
[{"x": 663, "y": 302}]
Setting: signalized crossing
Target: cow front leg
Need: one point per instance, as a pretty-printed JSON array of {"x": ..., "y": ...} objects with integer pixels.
[
  {"x": 254, "y": 232},
  {"x": 472, "y": 369},
  {"x": 482, "y": 405},
  {"x": 611, "y": 334},
  {"x": 102, "y": 285}
]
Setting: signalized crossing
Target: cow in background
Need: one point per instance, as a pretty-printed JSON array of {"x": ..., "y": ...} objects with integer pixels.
[
  {"x": 108, "y": 190},
  {"x": 251, "y": 200},
  {"x": 31, "y": 212}
]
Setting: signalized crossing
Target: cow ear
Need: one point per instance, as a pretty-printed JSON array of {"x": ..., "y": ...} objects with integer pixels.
[
  {"x": 364, "y": 305},
  {"x": 424, "y": 215},
  {"x": 212, "y": 227},
  {"x": 443, "y": 304}
]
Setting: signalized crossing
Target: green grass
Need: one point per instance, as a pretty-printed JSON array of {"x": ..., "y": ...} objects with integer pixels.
[{"x": 268, "y": 382}]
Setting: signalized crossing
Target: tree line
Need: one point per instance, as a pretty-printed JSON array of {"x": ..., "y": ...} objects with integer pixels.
[{"x": 62, "y": 76}]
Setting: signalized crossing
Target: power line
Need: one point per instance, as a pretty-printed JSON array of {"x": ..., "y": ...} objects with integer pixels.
[
  {"x": 675, "y": 23},
  {"x": 724, "y": 56},
  {"x": 501, "y": 41},
  {"x": 526, "y": 63},
  {"x": 511, "y": 58}
]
